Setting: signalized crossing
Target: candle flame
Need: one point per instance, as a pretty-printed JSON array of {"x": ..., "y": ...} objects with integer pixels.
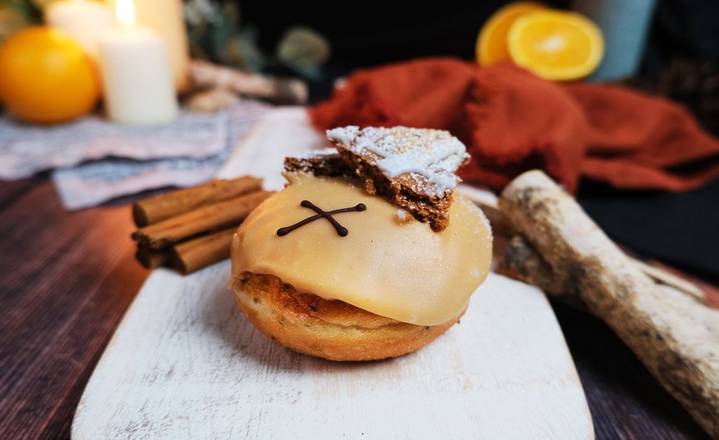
[{"x": 125, "y": 11}]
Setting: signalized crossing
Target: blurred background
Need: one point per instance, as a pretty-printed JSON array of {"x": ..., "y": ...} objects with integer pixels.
[
  {"x": 248, "y": 33},
  {"x": 665, "y": 48},
  {"x": 682, "y": 34}
]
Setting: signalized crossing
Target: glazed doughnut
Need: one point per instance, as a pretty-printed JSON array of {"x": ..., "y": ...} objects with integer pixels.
[{"x": 386, "y": 288}]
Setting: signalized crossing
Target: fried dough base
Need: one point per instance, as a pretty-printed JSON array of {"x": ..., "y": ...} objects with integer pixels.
[{"x": 328, "y": 329}]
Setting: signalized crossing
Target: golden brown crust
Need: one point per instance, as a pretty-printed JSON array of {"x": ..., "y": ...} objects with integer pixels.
[{"x": 332, "y": 330}]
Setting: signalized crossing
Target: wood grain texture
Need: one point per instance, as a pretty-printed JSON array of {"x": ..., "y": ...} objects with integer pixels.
[
  {"x": 63, "y": 290},
  {"x": 200, "y": 370},
  {"x": 625, "y": 400}
]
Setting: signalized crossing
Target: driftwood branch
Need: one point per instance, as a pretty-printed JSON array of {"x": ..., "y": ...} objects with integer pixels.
[
  {"x": 206, "y": 75},
  {"x": 674, "y": 334},
  {"x": 520, "y": 261}
]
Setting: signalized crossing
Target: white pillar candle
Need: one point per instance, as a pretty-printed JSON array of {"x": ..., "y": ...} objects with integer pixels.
[
  {"x": 138, "y": 83},
  {"x": 166, "y": 18},
  {"x": 83, "y": 20}
]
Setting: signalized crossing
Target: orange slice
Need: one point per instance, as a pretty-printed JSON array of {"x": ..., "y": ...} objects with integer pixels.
[
  {"x": 492, "y": 41},
  {"x": 556, "y": 45}
]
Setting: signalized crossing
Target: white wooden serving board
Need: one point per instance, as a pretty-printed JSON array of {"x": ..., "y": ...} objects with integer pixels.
[{"x": 185, "y": 364}]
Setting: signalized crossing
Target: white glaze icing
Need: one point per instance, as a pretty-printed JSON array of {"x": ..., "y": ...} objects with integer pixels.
[{"x": 433, "y": 154}]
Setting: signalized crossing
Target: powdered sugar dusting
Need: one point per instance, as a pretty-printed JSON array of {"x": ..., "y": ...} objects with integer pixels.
[
  {"x": 344, "y": 135},
  {"x": 433, "y": 154}
]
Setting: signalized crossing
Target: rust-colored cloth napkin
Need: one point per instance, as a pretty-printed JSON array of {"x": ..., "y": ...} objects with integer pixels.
[{"x": 512, "y": 121}]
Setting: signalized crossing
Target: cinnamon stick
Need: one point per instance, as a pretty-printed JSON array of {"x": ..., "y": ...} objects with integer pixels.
[
  {"x": 164, "y": 206},
  {"x": 197, "y": 253},
  {"x": 674, "y": 335},
  {"x": 204, "y": 219},
  {"x": 151, "y": 259}
]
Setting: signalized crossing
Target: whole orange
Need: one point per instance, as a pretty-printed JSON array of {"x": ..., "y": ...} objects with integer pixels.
[{"x": 46, "y": 77}]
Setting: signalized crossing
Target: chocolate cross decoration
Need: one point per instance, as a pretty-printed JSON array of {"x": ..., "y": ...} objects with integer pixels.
[{"x": 341, "y": 230}]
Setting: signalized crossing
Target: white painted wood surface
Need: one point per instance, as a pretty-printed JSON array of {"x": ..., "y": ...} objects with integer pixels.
[{"x": 184, "y": 364}]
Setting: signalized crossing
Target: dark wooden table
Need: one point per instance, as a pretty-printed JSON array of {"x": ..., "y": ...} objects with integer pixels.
[{"x": 67, "y": 278}]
